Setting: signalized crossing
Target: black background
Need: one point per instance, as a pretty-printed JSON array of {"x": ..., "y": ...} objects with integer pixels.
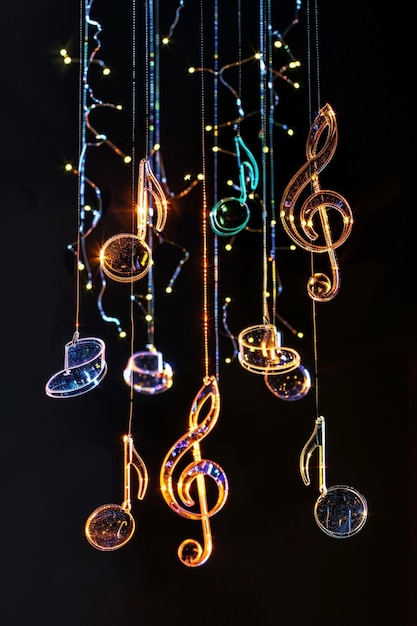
[{"x": 271, "y": 564}]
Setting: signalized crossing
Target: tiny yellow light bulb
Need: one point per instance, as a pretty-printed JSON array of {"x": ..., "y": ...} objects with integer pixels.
[
  {"x": 228, "y": 247},
  {"x": 68, "y": 167},
  {"x": 165, "y": 41},
  {"x": 148, "y": 318},
  {"x": 122, "y": 334},
  {"x": 106, "y": 71},
  {"x": 168, "y": 289}
]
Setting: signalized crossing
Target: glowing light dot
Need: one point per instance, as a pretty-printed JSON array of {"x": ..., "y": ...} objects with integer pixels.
[
  {"x": 300, "y": 334},
  {"x": 187, "y": 177},
  {"x": 165, "y": 41},
  {"x": 290, "y": 132},
  {"x": 87, "y": 207},
  {"x": 106, "y": 71},
  {"x": 168, "y": 289},
  {"x": 293, "y": 247},
  {"x": 215, "y": 148},
  {"x": 127, "y": 159},
  {"x": 209, "y": 128},
  {"x": 89, "y": 286},
  {"x": 68, "y": 167},
  {"x": 258, "y": 56},
  {"x": 148, "y": 318},
  {"x": 81, "y": 266},
  {"x": 122, "y": 334},
  {"x": 228, "y": 299},
  {"x": 229, "y": 183},
  {"x": 267, "y": 294},
  {"x": 67, "y": 60},
  {"x": 273, "y": 222},
  {"x": 228, "y": 247},
  {"x": 63, "y": 52},
  {"x": 119, "y": 107},
  {"x": 265, "y": 149},
  {"x": 228, "y": 360},
  {"x": 277, "y": 44},
  {"x": 296, "y": 85},
  {"x": 157, "y": 147},
  {"x": 148, "y": 296},
  {"x": 200, "y": 177},
  {"x": 191, "y": 70}
]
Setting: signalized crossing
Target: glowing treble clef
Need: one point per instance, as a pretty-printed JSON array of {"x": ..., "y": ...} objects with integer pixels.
[
  {"x": 230, "y": 215},
  {"x": 190, "y": 552},
  {"x": 320, "y": 287},
  {"x": 127, "y": 257}
]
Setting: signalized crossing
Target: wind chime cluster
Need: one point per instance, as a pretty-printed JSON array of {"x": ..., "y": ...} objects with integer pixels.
[{"x": 128, "y": 257}]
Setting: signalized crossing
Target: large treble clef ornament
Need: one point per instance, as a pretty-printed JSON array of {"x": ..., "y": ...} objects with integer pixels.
[
  {"x": 192, "y": 477},
  {"x": 316, "y": 207}
]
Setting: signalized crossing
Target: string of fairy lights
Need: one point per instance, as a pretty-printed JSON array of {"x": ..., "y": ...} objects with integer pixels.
[{"x": 128, "y": 257}]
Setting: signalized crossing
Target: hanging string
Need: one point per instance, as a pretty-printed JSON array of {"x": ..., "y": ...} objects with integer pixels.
[
  {"x": 82, "y": 104},
  {"x": 313, "y": 19},
  {"x": 133, "y": 202},
  {"x": 204, "y": 202},
  {"x": 263, "y": 132},
  {"x": 215, "y": 184}
]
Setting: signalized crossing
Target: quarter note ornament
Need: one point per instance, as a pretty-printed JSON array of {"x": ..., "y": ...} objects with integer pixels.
[
  {"x": 312, "y": 229},
  {"x": 191, "y": 553},
  {"x": 340, "y": 511},
  {"x": 229, "y": 216},
  {"x": 127, "y": 257},
  {"x": 111, "y": 526},
  {"x": 84, "y": 368}
]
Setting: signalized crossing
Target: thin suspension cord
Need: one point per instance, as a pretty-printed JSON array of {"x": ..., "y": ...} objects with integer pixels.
[
  {"x": 215, "y": 184},
  {"x": 262, "y": 97},
  {"x": 204, "y": 201},
  {"x": 133, "y": 202},
  {"x": 82, "y": 105},
  {"x": 313, "y": 19}
]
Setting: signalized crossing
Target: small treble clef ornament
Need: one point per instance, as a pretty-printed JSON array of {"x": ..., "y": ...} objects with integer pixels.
[
  {"x": 191, "y": 552},
  {"x": 316, "y": 207}
]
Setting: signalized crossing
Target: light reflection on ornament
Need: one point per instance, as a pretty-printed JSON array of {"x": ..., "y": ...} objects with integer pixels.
[
  {"x": 290, "y": 386},
  {"x": 147, "y": 373},
  {"x": 84, "y": 368}
]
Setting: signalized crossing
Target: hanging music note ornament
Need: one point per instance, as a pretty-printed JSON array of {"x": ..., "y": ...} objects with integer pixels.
[
  {"x": 261, "y": 352},
  {"x": 340, "y": 511},
  {"x": 146, "y": 372},
  {"x": 127, "y": 257},
  {"x": 312, "y": 230},
  {"x": 230, "y": 215},
  {"x": 110, "y": 526},
  {"x": 84, "y": 368},
  {"x": 191, "y": 552}
]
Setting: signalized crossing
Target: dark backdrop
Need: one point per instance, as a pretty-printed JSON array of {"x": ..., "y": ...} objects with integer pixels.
[{"x": 271, "y": 564}]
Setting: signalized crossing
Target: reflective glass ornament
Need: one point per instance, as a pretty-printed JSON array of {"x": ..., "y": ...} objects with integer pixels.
[
  {"x": 146, "y": 372},
  {"x": 125, "y": 258},
  {"x": 109, "y": 527},
  {"x": 290, "y": 386},
  {"x": 260, "y": 351},
  {"x": 341, "y": 511},
  {"x": 84, "y": 368}
]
